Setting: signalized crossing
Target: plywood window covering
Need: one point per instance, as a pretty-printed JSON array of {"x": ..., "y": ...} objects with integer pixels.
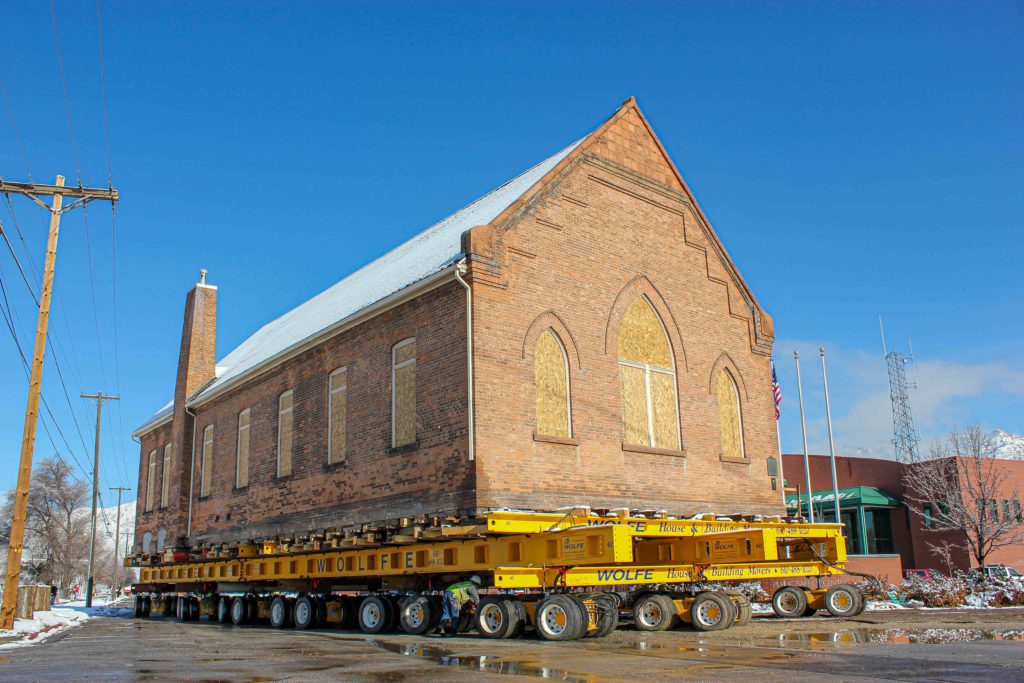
[
  {"x": 729, "y": 416},
  {"x": 151, "y": 481},
  {"x": 165, "y": 477},
  {"x": 284, "y": 434},
  {"x": 242, "y": 454},
  {"x": 403, "y": 393},
  {"x": 206, "y": 467},
  {"x": 650, "y": 407},
  {"x": 337, "y": 408},
  {"x": 551, "y": 378}
]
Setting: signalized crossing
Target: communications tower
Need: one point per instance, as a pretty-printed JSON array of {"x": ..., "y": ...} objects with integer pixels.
[{"x": 904, "y": 436}]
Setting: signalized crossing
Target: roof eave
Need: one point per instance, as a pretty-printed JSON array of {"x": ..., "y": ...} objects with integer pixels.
[{"x": 364, "y": 314}]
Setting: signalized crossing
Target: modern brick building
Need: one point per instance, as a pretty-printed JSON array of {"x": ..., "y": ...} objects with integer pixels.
[
  {"x": 577, "y": 336},
  {"x": 881, "y": 527}
]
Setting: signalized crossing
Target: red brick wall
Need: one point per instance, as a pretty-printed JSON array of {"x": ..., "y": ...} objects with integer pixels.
[
  {"x": 612, "y": 228},
  {"x": 374, "y": 482}
]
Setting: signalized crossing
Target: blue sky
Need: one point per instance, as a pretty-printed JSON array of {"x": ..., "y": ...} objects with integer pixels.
[{"x": 857, "y": 159}]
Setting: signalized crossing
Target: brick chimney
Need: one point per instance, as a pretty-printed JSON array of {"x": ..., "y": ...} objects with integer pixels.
[
  {"x": 197, "y": 358},
  {"x": 197, "y": 365}
]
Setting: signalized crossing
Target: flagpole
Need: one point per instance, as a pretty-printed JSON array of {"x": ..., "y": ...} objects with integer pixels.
[
  {"x": 831, "y": 442},
  {"x": 778, "y": 436},
  {"x": 803, "y": 428}
]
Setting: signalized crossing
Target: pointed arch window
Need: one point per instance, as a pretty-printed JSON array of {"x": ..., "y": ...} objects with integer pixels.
[
  {"x": 647, "y": 376},
  {"x": 551, "y": 377},
  {"x": 730, "y": 417}
]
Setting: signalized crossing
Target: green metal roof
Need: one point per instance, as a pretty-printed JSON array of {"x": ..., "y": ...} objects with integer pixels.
[{"x": 848, "y": 497}]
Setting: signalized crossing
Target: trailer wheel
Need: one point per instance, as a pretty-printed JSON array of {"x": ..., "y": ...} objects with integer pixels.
[
  {"x": 789, "y": 602},
  {"x": 374, "y": 614},
  {"x": 181, "y": 609},
  {"x": 496, "y": 617},
  {"x": 741, "y": 604},
  {"x": 862, "y": 601},
  {"x": 280, "y": 611},
  {"x": 193, "y": 609},
  {"x": 304, "y": 612},
  {"x": 417, "y": 614},
  {"x": 252, "y": 609},
  {"x": 842, "y": 600},
  {"x": 168, "y": 610},
  {"x": 654, "y": 612},
  {"x": 321, "y": 611},
  {"x": 138, "y": 607},
  {"x": 558, "y": 618},
  {"x": 712, "y": 611},
  {"x": 349, "y": 608},
  {"x": 239, "y": 611},
  {"x": 521, "y": 621},
  {"x": 607, "y": 615},
  {"x": 224, "y": 610},
  {"x": 809, "y": 612}
]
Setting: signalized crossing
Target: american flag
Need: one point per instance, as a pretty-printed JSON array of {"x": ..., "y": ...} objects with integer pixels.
[{"x": 776, "y": 390}]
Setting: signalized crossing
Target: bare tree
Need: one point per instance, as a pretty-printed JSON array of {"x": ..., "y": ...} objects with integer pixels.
[
  {"x": 56, "y": 531},
  {"x": 963, "y": 482}
]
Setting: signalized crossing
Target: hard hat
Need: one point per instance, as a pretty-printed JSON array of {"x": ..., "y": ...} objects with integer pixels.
[{"x": 475, "y": 579}]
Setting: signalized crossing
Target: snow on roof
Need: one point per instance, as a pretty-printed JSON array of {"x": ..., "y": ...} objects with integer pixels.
[{"x": 424, "y": 255}]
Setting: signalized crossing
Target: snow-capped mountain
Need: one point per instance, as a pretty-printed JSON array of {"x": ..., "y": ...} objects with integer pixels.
[
  {"x": 1007, "y": 445},
  {"x": 106, "y": 524}
]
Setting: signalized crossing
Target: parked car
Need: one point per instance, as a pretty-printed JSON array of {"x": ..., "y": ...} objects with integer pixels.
[
  {"x": 999, "y": 572},
  {"x": 922, "y": 573}
]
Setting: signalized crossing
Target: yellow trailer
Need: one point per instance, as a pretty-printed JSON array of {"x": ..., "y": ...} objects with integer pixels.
[{"x": 567, "y": 574}]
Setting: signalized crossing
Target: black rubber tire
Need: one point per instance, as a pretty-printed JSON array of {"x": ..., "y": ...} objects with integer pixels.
[
  {"x": 843, "y": 600},
  {"x": 588, "y": 627},
  {"x": 181, "y": 609},
  {"x": 654, "y": 612},
  {"x": 607, "y": 615},
  {"x": 138, "y": 607},
  {"x": 558, "y": 618},
  {"x": 349, "y": 608},
  {"x": 465, "y": 622},
  {"x": 280, "y": 612},
  {"x": 239, "y": 611},
  {"x": 496, "y": 618},
  {"x": 712, "y": 611},
  {"x": 321, "y": 611},
  {"x": 809, "y": 612},
  {"x": 304, "y": 612},
  {"x": 521, "y": 621},
  {"x": 223, "y": 610},
  {"x": 374, "y": 614},
  {"x": 417, "y": 615},
  {"x": 193, "y": 609},
  {"x": 789, "y": 602},
  {"x": 169, "y": 604},
  {"x": 741, "y": 603},
  {"x": 252, "y": 609},
  {"x": 863, "y": 601}
]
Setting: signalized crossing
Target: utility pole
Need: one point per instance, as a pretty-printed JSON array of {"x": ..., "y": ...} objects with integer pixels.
[
  {"x": 117, "y": 541},
  {"x": 33, "y": 191},
  {"x": 100, "y": 398}
]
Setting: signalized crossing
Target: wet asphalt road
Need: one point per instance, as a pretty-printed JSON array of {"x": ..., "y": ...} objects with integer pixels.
[{"x": 955, "y": 645}]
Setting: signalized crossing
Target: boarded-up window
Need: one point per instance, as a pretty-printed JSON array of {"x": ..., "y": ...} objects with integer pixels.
[
  {"x": 650, "y": 406},
  {"x": 337, "y": 405},
  {"x": 403, "y": 393},
  {"x": 551, "y": 375},
  {"x": 284, "y": 434},
  {"x": 206, "y": 468},
  {"x": 729, "y": 416},
  {"x": 242, "y": 464},
  {"x": 165, "y": 477},
  {"x": 151, "y": 481}
]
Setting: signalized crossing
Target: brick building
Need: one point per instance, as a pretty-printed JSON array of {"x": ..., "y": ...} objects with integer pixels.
[
  {"x": 578, "y": 335},
  {"x": 880, "y": 525}
]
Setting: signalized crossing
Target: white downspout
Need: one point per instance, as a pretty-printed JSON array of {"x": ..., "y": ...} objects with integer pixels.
[
  {"x": 460, "y": 270},
  {"x": 191, "y": 469}
]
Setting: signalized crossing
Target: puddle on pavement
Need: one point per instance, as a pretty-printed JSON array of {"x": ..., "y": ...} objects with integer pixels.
[
  {"x": 485, "y": 663},
  {"x": 902, "y": 636}
]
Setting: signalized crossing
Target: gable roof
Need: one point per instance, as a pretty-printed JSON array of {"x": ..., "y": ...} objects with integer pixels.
[{"x": 423, "y": 256}]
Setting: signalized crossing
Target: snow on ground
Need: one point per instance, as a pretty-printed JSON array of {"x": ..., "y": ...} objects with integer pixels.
[{"x": 58, "y": 619}]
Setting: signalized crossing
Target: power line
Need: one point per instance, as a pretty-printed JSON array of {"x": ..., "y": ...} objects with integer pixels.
[
  {"x": 67, "y": 98},
  {"x": 14, "y": 129}
]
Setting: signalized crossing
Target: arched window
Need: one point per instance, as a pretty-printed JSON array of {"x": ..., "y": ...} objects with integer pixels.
[
  {"x": 650, "y": 412},
  {"x": 551, "y": 374},
  {"x": 729, "y": 416}
]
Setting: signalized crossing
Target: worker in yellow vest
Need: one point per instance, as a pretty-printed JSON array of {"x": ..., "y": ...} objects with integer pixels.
[{"x": 455, "y": 596}]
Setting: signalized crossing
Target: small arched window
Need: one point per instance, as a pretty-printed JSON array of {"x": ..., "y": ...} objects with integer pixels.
[
  {"x": 551, "y": 376},
  {"x": 729, "y": 416},
  {"x": 650, "y": 409}
]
